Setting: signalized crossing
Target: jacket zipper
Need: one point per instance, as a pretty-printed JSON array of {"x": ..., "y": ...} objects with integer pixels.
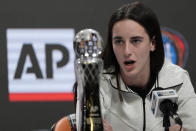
[{"x": 144, "y": 113}]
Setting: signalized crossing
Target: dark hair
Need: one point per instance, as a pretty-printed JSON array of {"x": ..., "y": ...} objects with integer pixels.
[{"x": 145, "y": 17}]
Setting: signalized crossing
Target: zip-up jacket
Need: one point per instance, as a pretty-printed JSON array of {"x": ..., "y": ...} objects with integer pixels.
[{"x": 134, "y": 113}]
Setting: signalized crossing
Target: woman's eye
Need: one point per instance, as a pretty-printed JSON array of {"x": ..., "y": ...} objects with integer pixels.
[
  {"x": 136, "y": 41},
  {"x": 118, "y": 41}
]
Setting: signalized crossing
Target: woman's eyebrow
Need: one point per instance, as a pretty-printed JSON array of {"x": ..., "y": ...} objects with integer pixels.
[
  {"x": 137, "y": 37},
  {"x": 117, "y": 37}
]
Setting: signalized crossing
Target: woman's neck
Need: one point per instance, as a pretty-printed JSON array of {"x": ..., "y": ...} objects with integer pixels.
[{"x": 139, "y": 81}]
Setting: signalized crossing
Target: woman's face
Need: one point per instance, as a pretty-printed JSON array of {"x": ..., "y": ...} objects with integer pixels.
[{"x": 132, "y": 46}]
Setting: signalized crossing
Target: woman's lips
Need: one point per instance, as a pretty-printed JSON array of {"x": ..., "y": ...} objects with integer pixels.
[{"x": 129, "y": 65}]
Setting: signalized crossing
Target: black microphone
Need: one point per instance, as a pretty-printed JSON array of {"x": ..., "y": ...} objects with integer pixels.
[
  {"x": 170, "y": 108},
  {"x": 163, "y": 103}
]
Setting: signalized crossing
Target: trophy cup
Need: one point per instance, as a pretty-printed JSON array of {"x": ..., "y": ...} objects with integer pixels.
[{"x": 88, "y": 46}]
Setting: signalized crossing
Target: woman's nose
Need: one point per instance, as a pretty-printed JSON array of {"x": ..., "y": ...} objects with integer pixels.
[{"x": 128, "y": 49}]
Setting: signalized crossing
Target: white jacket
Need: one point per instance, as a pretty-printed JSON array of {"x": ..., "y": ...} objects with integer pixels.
[{"x": 129, "y": 114}]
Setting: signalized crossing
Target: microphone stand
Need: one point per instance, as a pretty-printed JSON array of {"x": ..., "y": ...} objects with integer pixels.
[{"x": 166, "y": 121}]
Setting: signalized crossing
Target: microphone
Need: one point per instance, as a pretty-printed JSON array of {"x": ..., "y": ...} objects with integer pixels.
[
  {"x": 163, "y": 103},
  {"x": 158, "y": 97},
  {"x": 88, "y": 45},
  {"x": 169, "y": 108}
]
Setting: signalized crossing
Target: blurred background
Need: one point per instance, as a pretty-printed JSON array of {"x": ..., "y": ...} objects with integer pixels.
[{"x": 36, "y": 54}]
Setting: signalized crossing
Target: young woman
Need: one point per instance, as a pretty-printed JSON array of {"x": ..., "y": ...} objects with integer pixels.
[{"x": 134, "y": 66}]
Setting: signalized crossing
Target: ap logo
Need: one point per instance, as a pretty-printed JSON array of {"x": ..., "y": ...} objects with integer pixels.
[{"x": 40, "y": 64}]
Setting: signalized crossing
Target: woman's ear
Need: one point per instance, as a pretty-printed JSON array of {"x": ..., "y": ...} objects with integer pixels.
[{"x": 153, "y": 44}]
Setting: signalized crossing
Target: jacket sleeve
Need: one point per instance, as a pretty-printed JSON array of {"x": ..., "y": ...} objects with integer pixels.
[{"x": 187, "y": 104}]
